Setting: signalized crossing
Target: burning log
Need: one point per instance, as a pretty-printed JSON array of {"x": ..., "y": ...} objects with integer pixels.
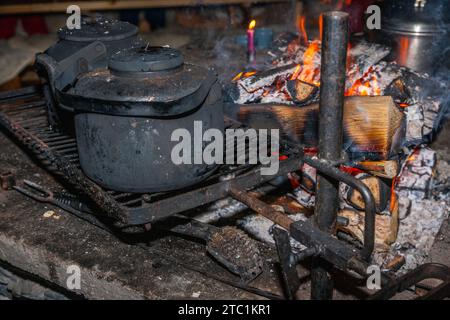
[
  {"x": 383, "y": 169},
  {"x": 266, "y": 78},
  {"x": 386, "y": 228},
  {"x": 379, "y": 190},
  {"x": 373, "y": 126},
  {"x": 300, "y": 91}
]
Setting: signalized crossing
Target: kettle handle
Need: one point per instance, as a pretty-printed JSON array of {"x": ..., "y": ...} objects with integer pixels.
[
  {"x": 64, "y": 72},
  {"x": 83, "y": 60}
]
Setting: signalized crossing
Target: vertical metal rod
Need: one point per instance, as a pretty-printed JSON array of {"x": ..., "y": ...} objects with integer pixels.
[{"x": 333, "y": 68}]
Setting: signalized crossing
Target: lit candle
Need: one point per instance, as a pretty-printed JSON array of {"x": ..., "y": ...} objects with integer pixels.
[{"x": 251, "y": 52}]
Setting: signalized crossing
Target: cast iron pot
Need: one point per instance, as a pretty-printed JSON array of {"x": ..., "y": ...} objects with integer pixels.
[
  {"x": 64, "y": 60},
  {"x": 418, "y": 32},
  {"x": 115, "y": 35},
  {"x": 125, "y": 116}
]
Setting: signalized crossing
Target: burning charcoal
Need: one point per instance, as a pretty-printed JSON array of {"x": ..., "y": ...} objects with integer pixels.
[
  {"x": 300, "y": 91},
  {"x": 266, "y": 78},
  {"x": 255, "y": 87},
  {"x": 385, "y": 228},
  {"x": 362, "y": 57},
  {"x": 399, "y": 92},
  {"x": 416, "y": 176},
  {"x": 378, "y": 188}
]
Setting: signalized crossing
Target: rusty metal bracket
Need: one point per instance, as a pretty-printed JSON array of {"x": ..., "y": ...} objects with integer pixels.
[{"x": 412, "y": 278}]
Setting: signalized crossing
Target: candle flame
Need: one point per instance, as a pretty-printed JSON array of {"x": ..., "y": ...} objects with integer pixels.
[{"x": 252, "y": 25}]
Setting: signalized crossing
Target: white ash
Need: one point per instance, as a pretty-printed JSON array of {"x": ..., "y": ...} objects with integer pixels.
[
  {"x": 416, "y": 178},
  {"x": 417, "y": 233},
  {"x": 420, "y": 215},
  {"x": 363, "y": 56},
  {"x": 421, "y": 120},
  {"x": 261, "y": 228},
  {"x": 386, "y": 73},
  {"x": 222, "y": 209}
]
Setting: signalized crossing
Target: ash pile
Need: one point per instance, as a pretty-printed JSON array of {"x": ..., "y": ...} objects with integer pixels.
[{"x": 391, "y": 115}]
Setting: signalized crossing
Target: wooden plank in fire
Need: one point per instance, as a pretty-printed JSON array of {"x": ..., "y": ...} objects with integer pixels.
[{"x": 373, "y": 126}]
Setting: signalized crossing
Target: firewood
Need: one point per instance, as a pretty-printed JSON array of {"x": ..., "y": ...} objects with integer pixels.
[
  {"x": 395, "y": 216},
  {"x": 301, "y": 91},
  {"x": 266, "y": 77},
  {"x": 385, "y": 228},
  {"x": 384, "y": 169},
  {"x": 373, "y": 126},
  {"x": 378, "y": 188}
]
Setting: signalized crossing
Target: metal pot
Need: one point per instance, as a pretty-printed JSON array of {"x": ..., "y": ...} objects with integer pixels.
[
  {"x": 418, "y": 32},
  {"x": 63, "y": 61},
  {"x": 125, "y": 116}
]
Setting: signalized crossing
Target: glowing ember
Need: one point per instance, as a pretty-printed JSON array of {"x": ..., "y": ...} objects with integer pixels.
[{"x": 368, "y": 85}]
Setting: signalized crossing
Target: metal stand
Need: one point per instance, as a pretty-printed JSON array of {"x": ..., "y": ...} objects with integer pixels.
[{"x": 334, "y": 53}]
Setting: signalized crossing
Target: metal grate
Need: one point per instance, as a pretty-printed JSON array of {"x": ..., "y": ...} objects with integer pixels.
[{"x": 24, "y": 113}]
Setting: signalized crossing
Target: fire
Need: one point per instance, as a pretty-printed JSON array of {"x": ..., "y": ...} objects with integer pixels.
[
  {"x": 296, "y": 72},
  {"x": 252, "y": 25},
  {"x": 238, "y": 76},
  {"x": 368, "y": 85},
  {"x": 310, "y": 70},
  {"x": 302, "y": 29},
  {"x": 243, "y": 75}
]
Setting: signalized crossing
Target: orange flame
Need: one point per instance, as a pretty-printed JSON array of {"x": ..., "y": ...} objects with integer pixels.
[
  {"x": 252, "y": 25},
  {"x": 367, "y": 85},
  {"x": 302, "y": 29},
  {"x": 296, "y": 72},
  {"x": 237, "y": 77},
  {"x": 310, "y": 70},
  {"x": 243, "y": 75}
]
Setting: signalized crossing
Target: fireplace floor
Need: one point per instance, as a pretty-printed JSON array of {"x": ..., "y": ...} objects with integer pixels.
[{"x": 42, "y": 248}]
